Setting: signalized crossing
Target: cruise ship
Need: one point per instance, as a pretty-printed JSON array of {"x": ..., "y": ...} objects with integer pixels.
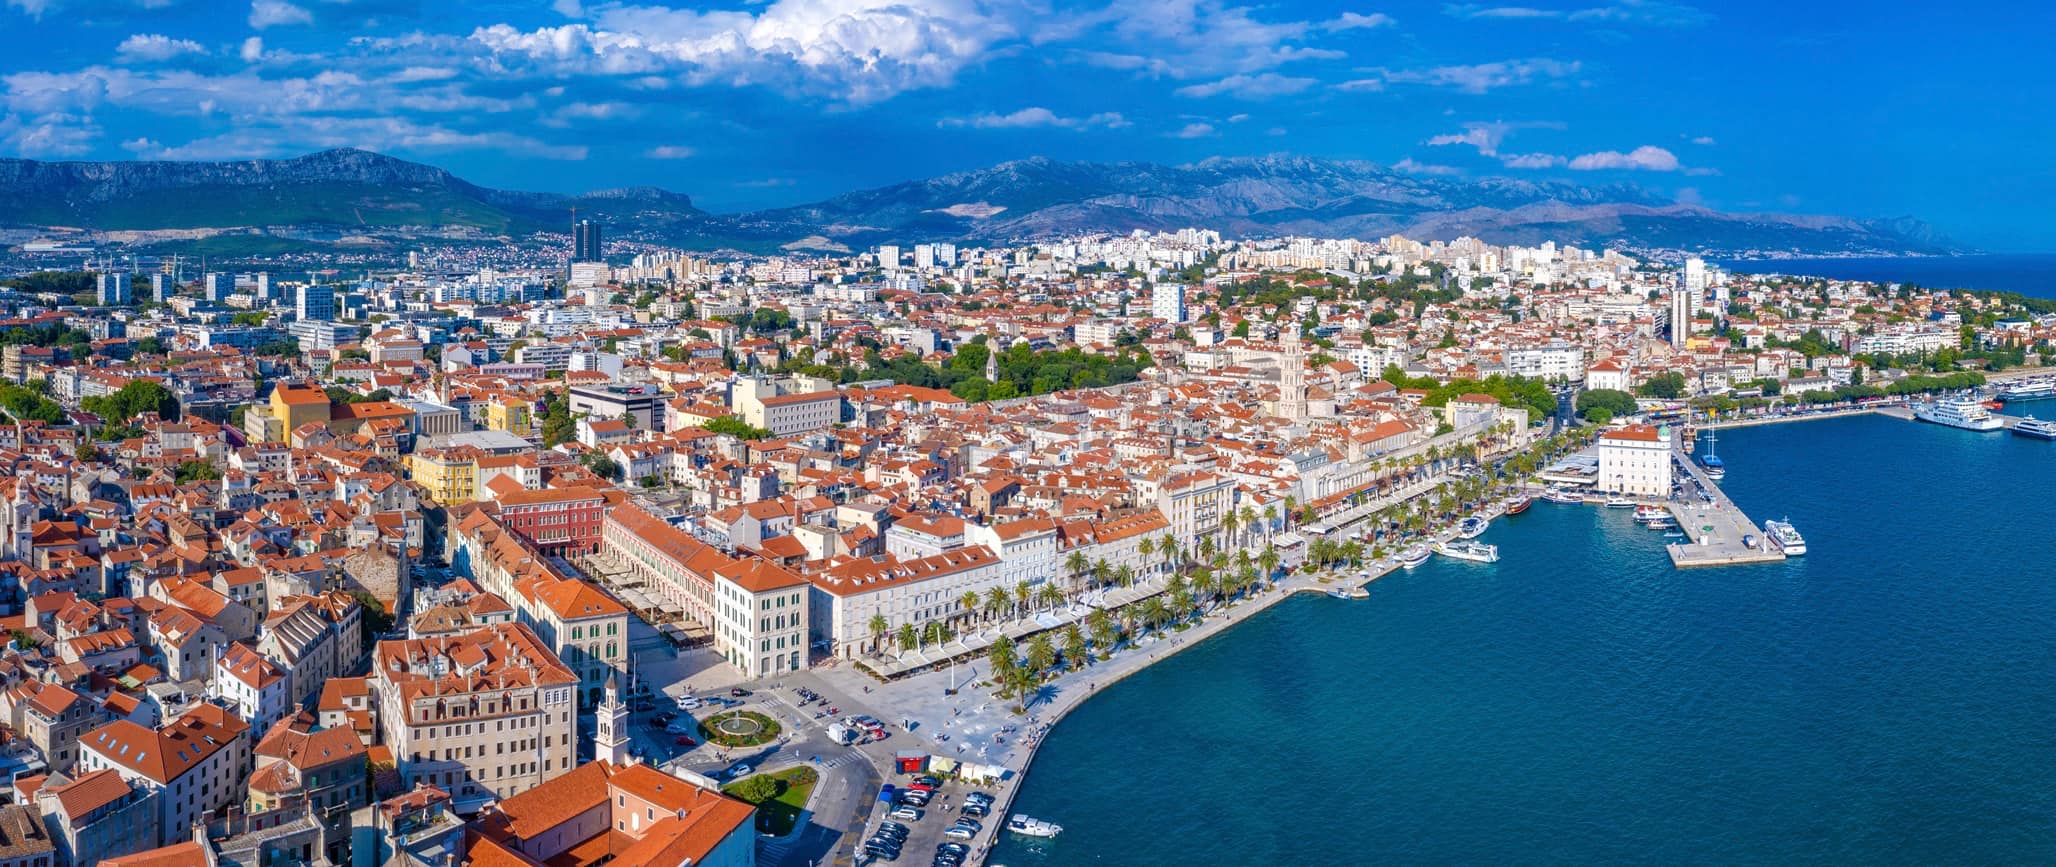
[
  {"x": 2041, "y": 429},
  {"x": 1785, "y": 536},
  {"x": 1958, "y": 412}
]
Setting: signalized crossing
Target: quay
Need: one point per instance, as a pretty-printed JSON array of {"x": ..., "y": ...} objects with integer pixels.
[{"x": 1715, "y": 530}]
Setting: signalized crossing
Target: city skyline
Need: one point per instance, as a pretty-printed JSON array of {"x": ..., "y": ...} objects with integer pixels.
[{"x": 1828, "y": 109}]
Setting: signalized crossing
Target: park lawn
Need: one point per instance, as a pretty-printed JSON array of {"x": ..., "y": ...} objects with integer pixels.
[{"x": 777, "y": 816}]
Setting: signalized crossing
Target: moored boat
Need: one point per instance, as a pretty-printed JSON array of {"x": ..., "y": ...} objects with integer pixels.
[
  {"x": 2041, "y": 429},
  {"x": 1413, "y": 556},
  {"x": 1563, "y": 495},
  {"x": 1960, "y": 413},
  {"x": 1619, "y": 502},
  {"x": 1465, "y": 549},
  {"x": 1472, "y": 527},
  {"x": 1647, "y": 514},
  {"x": 1785, "y": 537},
  {"x": 1518, "y": 506},
  {"x": 1020, "y": 824}
]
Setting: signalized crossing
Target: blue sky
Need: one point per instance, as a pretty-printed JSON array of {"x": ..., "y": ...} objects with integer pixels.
[{"x": 1821, "y": 107}]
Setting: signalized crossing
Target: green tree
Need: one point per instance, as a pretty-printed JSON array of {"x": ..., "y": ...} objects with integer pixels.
[
  {"x": 1613, "y": 402},
  {"x": 196, "y": 471},
  {"x": 737, "y": 428},
  {"x": 134, "y": 399},
  {"x": 1668, "y": 385}
]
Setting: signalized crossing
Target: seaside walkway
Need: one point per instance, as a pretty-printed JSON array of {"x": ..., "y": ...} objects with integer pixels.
[{"x": 1716, "y": 530}]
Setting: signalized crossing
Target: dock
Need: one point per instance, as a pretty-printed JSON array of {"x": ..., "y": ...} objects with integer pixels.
[{"x": 1715, "y": 529}]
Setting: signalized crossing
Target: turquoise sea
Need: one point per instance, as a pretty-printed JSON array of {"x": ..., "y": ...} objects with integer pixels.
[{"x": 1886, "y": 699}]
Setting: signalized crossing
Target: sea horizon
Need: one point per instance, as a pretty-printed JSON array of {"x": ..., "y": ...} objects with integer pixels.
[{"x": 2030, "y": 274}]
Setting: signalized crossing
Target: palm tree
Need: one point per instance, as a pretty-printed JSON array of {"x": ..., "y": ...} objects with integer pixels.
[
  {"x": 1207, "y": 583},
  {"x": 909, "y": 639},
  {"x": 879, "y": 626},
  {"x": 1269, "y": 560},
  {"x": 1181, "y": 604},
  {"x": 1168, "y": 546},
  {"x": 1270, "y": 519},
  {"x": 1041, "y": 655},
  {"x": 1125, "y": 575},
  {"x": 1229, "y": 521},
  {"x": 1001, "y": 655},
  {"x": 1248, "y": 524},
  {"x": 996, "y": 601},
  {"x": 970, "y": 603},
  {"x": 1291, "y": 502},
  {"x": 1049, "y": 596},
  {"x": 1153, "y": 611},
  {"x": 1074, "y": 646},
  {"x": 1101, "y": 624},
  {"x": 1206, "y": 548},
  {"x": 1146, "y": 548},
  {"x": 935, "y": 632},
  {"x": 1078, "y": 564},
  {"x": 1024, "y": 598}
]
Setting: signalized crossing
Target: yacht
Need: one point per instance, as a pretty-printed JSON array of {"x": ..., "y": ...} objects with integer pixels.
[
  {"x": 1563, "y": 495},
  {"x": 2034, "y": 427},
  {"x": 1651, "y": 514},
  {"x": 1518, "y": 506},
  {"x": 1619, "y": 502},
  {"x": 1465, "y": 549},
  {"x": 1958, "y": 412},
  {"x": 1413, "y": 557},
  {"x": 1785, "y": 536},
  {"x": 1471, "y": 527},
  {"x": 1020, "y": 824}
]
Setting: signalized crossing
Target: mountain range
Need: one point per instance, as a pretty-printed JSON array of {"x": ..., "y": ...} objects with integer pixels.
[{"x": 358, "y": 191}]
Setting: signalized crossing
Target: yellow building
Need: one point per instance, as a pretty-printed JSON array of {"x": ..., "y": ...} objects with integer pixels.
[
  {"x": 449, "y": 475},
  {"x": 511, "y": 414},
  {"x": 294, "y": 405}
]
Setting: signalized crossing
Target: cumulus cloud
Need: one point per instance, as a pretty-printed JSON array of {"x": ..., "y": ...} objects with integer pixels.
[
  {"x": 275, "y": 13},
  {"x": 1240, "y": 86},
  {"x": 1485, "y": 137},
  {"x": 1645, "y": 158},
  {"x": 1531, "y": 161},
  {"x": 1195, "y": 130},
  {"x": 669, "y": 152},
  {"x": 1035, "y": 116},
  {"x": 56, "y": 134},
  {"x": 252, "y": 50},
  {"x": 1358, "y": 21},
  {"x": 155, "y": 47},
  {"x": 1482, "y": 77},
  {"x": 1412, "y": 167}
]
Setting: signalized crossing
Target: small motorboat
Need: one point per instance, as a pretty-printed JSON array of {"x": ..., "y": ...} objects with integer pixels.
[
  {"x": 1472, "y": 527},
  {"x": 1563, "y": 495},
  {"x": 1619, "y": 502},
  {"x": 1413, "y": 557},
  {"x": 1020, "y": 824},
  {"x": 1466, "y": 549}
]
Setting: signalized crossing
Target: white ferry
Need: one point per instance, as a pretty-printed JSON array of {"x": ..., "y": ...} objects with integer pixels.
[
  {"x": 1472, "y": 527},
  {"x": 1020, "y": 824},
  {"x": 1465, "y": 549},
  {"x": 2029, "y": 391},
  {"x": 1651, "y": 514},
  {"x": 1958, "y": 412},
  {"x": 2041, "y": 429},
  {"x": 1785, "y": 536},
  {"x": 1413, "y": 556}
]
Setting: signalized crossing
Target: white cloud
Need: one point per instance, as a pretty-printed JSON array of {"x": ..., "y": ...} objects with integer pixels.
[
  {"x": 274, "y": 13},
  {"x": 1411, "y": 167},
  {"x": 1531, "y": 161},
  {"x": 1482, "y": 77},
  {"x": 1194, "y": 130},
  {"x": 568, "y": 8},
  {"x": 143, "y": 147},
  {"x": 669, "y": 152},
  {"x": 32, "y": 8},
  {"x": 253, "y": 49},
  {"x": 1357, "y": 21},
  {"x": 56, "y": 134},
  {"x": 1237, "y": 118},
  {"x": 1035, "y": 116},
  {"x": 1645, "y": 158},
  {"x": 765, "y": 183},
  {"x": 1485, "y": 137},
  {"x": 155, "y": 47},
  {"x": 1241, "y": 86},
  {"x": 1703, "y": 140},
  {"x": 1655, "y": 13}
]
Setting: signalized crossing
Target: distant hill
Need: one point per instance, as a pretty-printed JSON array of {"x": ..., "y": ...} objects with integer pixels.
[
  {"x": 1275, "y": 195},
  {"x": 341, "y": 188},
  {"x": 1025, "y": 200}
]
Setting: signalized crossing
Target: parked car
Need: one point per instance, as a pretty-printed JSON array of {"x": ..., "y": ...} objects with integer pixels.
[
  {"x": 976, "y": 810},
  {"x": 738, "y": 771},
  {"x": 662, "y": 717},
  {"x": 680, "y": 726},
  {"x": 960, "y": 832},
  {"x": 738, "y": 692},
  {"x": 684, "y": 741},
  {"x": 894, "y": 830},
  {"x": 686, "y": 702},
  {"x": 929, "y": 780},
  {"x": 908, "y": 812},
  {"x": 978, "y": 797}
]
